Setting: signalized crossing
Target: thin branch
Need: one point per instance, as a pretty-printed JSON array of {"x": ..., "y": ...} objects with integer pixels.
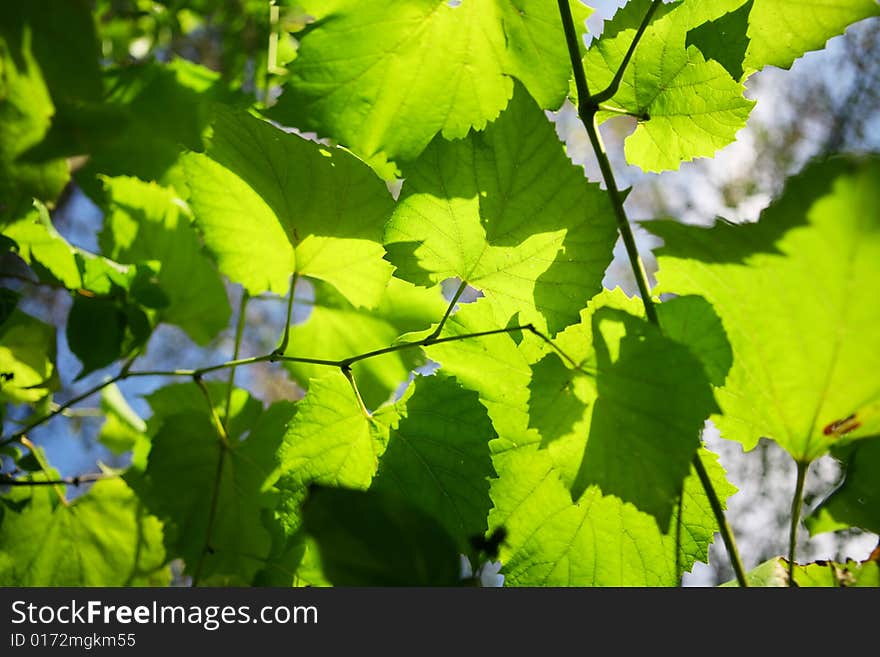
[
  {"x": 587, "y": 107},
  {"x": 239, "y": 331},
  {"x": 427, "y": 342},
  {"x": 614, "y": 85},
  {"x": 79, "y": 480},
  {"x": 797, "y": 503},
  {"x": 19, "y": 435}
]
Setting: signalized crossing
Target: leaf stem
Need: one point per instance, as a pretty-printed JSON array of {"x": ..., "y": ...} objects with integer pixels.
[
  {"x": 239, "y": 331},
  {"x": 609, "y": 91},
  {"x": 619, "y": 110},
  {"x": 44, "y": 467},
  {"x": 224, "y": 446},
  {"x": 285, "y": 337},
  {"x": 346, "y": 371},
  {"x": 455, "y": 297},
  {"x": 587, "y": 107},
  {"x": 797, "y": 503}
]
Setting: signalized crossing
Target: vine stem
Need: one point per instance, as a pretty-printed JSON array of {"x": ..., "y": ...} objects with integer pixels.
[
  {"x": 224, "y": 445},
  {"x": 797, "y": 503},
  {"x": 239, "y": 332},
  {"x": 79, "y": 480},
  {"x": 587, "y": 107},
  {"x": 197, "y": 374}
]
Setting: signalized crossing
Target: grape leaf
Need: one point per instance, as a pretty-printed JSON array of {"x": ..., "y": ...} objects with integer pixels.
[
  {"x": 598, "y": 540},
  {"x": 507, "y": 212},
  {"x": 378, "y": 538},
  {"x": 26, "y": 110},
  {"x": 794, "y": 293},
  {"x": 103, "y": 538},
  {"x": 55, "y": 260},
  {"x": 270, "y": 204},
  {"x": 626, "y": 414},
  {"x": 211, "y": 494},
  {"x": 147, "y": 222},
  {"x": 724, "y": 39},
  {"x": 330, "y": 441},
  {"x": 774, "y": 573},
  {"x": 490, "y": 365},
  {"x": 27, "y": 359},
  {"x": 96, "y": 332},
  {"x": 687, "y": 106},
  {"x": 780, "y": 32},
  {"x": 856, "y": 502},
  {"x": 151, "y": 113},
  {"x": 369, "y": 75},
  {"x": 437, "y": 456},
  {"x": 178, "y": 398},
  {"x": 336, "y": 330}
]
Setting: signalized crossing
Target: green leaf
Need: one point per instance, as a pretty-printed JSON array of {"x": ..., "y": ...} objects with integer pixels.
[
  {"x": 438, "y": 456},
  {"x": 598, "y": 540},
  {"x": 270, "y": 204},
  {"x": 492, "y": 366},
  {"x": 780, "y": 32},
  {"x": 377, "y": 538},
  {"x": 529, "y": 493},
  {"x": 122, "y": 429},
  {"x": 507, "y": 212},
  {"x": 103, "y": 538},
  {"x": 180, "y": 398},
  {"x": 330, "y": 441},
  {"x": 152, "y": 113},
  {"x": 627, "y": 414},
  {"x": 724, "y": 39},
  {"x": 147, "y": 222},
  {"x": 692, "y": 322},
  {"x": 795, "y": 292},
  {"x": 774, "y": 573},
  {"x": 687, "y": 106},
  {"x": 55, "y": 260},
  {"x": 26, "y": 111},
  {"x": 369, "y": 75},
  {"x": 856, "y": 502},
  {"x": 8, "y": 303},
  {"x": 336, "y": 329},
  {"x": 211, "y": 495},
  {"x": 27, "y": 359},
  {"x": 95, "y": 332}
]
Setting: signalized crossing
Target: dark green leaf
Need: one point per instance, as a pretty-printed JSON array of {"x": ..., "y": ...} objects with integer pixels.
[{"x": 377, "y": 538}]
